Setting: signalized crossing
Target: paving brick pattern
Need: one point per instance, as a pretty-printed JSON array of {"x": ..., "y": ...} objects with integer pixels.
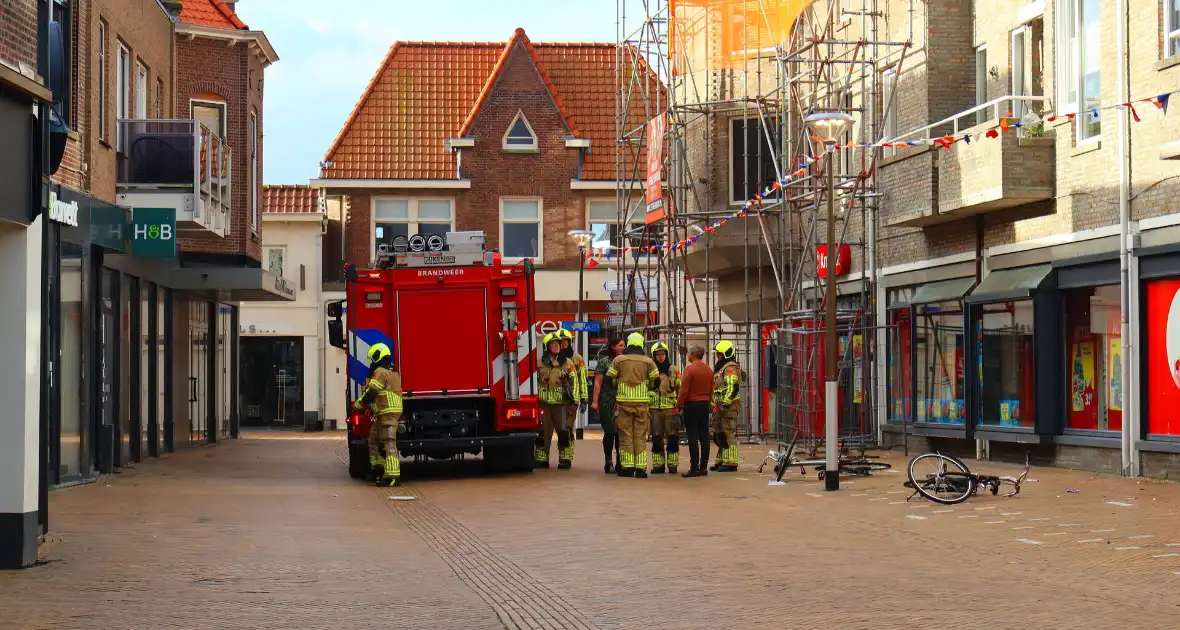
[{"x": 269, "y": 532}]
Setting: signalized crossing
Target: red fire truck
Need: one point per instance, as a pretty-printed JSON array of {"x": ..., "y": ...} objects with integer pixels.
[{"x": 460, "y": 324}]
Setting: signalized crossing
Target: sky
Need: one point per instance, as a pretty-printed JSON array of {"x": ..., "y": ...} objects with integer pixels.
[{"x": 328, "y": 51}]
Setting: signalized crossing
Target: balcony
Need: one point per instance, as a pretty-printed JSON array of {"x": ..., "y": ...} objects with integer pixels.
[
  {"x": 178, "y": 164},
  {"x": 927, "y": 185}
]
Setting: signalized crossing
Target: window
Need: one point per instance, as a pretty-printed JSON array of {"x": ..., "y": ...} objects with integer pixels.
[
  {"x": 899, "y": 370},
  {"x": 122, "y": 85},
  {"x": 102, "y": 80},
  {"x": 603, "y": 218},
  {"x": 751, "y": 156},
  {"x": 211, "y": 114},
  {"x": 275, "y": 258},
  {"x": 404, "y": 217},
  {"x": 1171, "y": 27},
  {"x": 141, "y": 90},
  {"x": 1162, "y": 362},
  {"x": 1093, "y": 318},
  {"x": 889, "y": 107},
  {"x": 62, "y": 19},
  {"x": 1019, "y": 72},
  {"x": 254, "y": 191},
  {"x": 520, "y": 228},
  {"x": 1079, "y": 59},
  {"x": 938, "y": 350},
  {"x": 1006, "y": 364},
  {"x": 981, "y": 84},
  {"x": 520, "y": 136},
  {"x": 159, "y": 98}
]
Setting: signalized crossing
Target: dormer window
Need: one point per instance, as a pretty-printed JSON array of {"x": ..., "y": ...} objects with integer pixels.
[{"x": 520, "y": 137}]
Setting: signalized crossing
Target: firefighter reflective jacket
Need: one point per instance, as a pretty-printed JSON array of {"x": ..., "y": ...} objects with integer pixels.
[
  {"x": 383, "y": 392},
  {"x": 580, "y": 393},
  {"x": 666, "y": 389},
  {"x": 635, "y": 373},
  {"x": 726, "y": 381},
  {"x": 553, "y": 376}
]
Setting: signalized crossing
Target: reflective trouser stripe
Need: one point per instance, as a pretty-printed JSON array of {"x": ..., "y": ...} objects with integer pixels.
[
  {"x": 641, "y": 460},
  {"x": 392, "y": 467},
  {"x": 729, "y": 456},
  {"x": 673, "y": 459},
  {"x": 657, "y": 459},
  {"x": 628, "y": 459}
]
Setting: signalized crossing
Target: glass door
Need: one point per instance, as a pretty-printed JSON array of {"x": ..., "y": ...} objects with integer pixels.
[{"x": 198, "y": 372}]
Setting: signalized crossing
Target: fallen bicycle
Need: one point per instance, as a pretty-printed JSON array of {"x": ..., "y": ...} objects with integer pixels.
[
  {"x": 951, "y": 482},
  {"x": 858, "y": 466}
]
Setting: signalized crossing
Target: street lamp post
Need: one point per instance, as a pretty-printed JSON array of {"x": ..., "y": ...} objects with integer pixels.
[
  {"x": 582, "y": 238},
  {"x": 829, "y": 128}
]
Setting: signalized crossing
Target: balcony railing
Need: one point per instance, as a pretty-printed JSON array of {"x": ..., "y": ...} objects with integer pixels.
[
  {"x": 178, "y": 156},
  {"x": 994, "y": 109}
]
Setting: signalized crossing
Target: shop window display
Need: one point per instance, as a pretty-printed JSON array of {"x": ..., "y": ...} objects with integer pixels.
[
  {"x": 1093, "y": 358},
  {"x": 1162, "y": 362},
  {"x": 900, "y": 373},
  {"x": 938, "y": 349},
  {"x": 1006, "y": 364}
]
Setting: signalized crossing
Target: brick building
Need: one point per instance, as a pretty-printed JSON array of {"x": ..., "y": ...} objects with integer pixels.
[
  {"x": 999, "y": 286},
  {"x": 150, "y": 236},
  {"x": 515, "y": 139}
]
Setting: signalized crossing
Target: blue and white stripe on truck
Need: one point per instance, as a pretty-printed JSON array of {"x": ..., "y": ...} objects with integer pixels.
[{"x": 362, "y": 340}]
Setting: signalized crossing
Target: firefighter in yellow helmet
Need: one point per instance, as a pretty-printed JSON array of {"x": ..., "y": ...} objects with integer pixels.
[
  {"x": 383, "y": 395},
  {"x": 665, "y": 429},
  {"x": 635, "y": 374},
  {"x": 555, "y": 378},
  {"x": 579, "y": 402},
  {"x": 727, "y": 406}
]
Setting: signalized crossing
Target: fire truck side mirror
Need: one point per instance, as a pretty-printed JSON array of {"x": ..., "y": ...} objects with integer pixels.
[{"x": 336, "y": 334}]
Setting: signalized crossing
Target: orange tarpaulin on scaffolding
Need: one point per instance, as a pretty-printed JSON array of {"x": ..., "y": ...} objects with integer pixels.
[{"x": 727, "y": 34}]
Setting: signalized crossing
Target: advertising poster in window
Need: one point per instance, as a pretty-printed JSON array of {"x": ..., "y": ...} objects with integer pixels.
[
  {"x": 1162, "y": 363},
  {"x": 1083, "y": 402},
  {"x": 1114, "y": 374},
  {"x": 653, "y": 187}
]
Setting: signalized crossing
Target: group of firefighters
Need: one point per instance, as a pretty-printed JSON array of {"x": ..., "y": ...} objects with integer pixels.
[{"x": 635, "y": 395}]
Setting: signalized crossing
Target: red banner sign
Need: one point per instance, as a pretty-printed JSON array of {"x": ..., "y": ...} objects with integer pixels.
[
  {"x": 843, "y": 260},
  {"x": 653, "y": 187}
]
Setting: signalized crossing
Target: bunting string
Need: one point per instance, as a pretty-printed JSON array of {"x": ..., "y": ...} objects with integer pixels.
[{"x": 595, "y": 255}]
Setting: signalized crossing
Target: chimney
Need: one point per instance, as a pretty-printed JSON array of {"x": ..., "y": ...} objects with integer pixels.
[{"x": 231, "y": 4}]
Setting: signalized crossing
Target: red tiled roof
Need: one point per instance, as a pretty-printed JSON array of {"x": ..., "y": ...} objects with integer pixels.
[
  {"x": 426, "y": 92},
  {"x": 210, "y": 13},
  {"x": 290, "y": 199}
]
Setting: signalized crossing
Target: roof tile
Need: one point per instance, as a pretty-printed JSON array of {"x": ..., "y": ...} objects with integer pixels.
[
  {"x": 290, "y": 199},
  {"x": 210, "y": 13},
  {"x": 426, "y": 92}
]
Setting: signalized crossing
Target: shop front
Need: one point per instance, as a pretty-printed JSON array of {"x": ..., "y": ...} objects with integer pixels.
[{"x": 1159, "y": 362}]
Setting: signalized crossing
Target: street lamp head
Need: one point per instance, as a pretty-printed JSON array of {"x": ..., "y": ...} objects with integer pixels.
[
  {"x": 581, "y": 237},
  {"x": 829, "y": 126}
]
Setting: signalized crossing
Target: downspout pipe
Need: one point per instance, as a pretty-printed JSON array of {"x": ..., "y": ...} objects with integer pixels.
[{"x": 1130, "y": 423}]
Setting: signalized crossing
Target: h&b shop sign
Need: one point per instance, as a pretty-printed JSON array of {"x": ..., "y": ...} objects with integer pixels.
[{"x": 153, "y": 232}]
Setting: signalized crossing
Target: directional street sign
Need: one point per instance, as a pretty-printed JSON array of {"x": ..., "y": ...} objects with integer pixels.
[
  {"x": 612, "y": 285},
  {"x": 617, "y": 294},
  {"x": 591, "y": 327},
  {"x": 614, "y": 320},
  {"x": 614, "y": 307}
]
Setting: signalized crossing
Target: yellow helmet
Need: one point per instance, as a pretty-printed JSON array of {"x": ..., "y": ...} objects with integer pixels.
[
  {"x": 725, "y": 349},
  {"x": 378, "y": 351},
  {"x": 657, "y": 346},
  {"x": 550, "y": 338},
  {"x": 564, "y": 334},
  {"x": 635, "y": 340}
]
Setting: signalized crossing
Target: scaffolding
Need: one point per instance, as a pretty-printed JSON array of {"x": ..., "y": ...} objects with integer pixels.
[{"x": 735, "y": 132}]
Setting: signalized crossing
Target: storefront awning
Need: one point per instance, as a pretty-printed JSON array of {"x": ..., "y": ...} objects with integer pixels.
[
  {"x": 222, "y": 284},
  {"x": 944, "y": 291},
  {"x": 1011, "y": 284},
  {"x": 232, "y": 284}
]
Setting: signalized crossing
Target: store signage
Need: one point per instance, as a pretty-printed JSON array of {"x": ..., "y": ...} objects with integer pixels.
[
  {"x": 62, "y": 211},
  {"x": 286, "y": 288},
  {"x": 843, "y": 259},
  {"x": 653, "y": 186},
  {"x": 153, "y": 232}
]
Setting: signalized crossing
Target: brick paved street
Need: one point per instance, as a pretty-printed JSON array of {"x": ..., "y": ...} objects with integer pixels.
[{"x": 269, "y": 532}]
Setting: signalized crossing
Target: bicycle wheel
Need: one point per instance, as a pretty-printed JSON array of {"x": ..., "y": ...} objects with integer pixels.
[
  {"x": 941, "y": 478},
  {"x": 864, "y": 468}
]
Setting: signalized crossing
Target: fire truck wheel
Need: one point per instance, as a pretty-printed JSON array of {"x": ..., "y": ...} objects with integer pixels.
[
  {"x": 358, "y": 460},
  {"x": 502, "y": 459}
]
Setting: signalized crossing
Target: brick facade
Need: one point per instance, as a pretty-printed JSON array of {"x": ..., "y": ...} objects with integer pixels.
[
  {"x": 235, "y": 74},
  {"x": 18, "y": 33}
]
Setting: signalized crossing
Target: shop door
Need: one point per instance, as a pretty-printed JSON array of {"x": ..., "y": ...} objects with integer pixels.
[
  {"x": 198, "y": 372},
  {"x": 272, "y": 387},
  {"x": 108, "y": 362}
]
